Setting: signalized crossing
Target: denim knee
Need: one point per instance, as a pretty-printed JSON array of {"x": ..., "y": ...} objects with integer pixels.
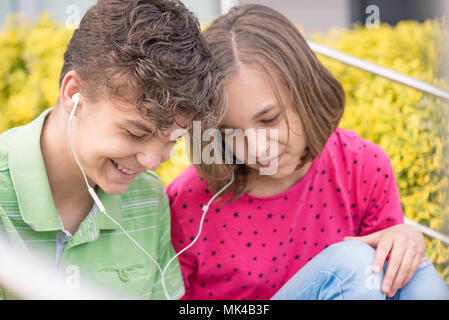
[
  {"x": 351, "y": 256},
  {"x": 352, "y": 264},
  {"x": 341, "y": 271}
]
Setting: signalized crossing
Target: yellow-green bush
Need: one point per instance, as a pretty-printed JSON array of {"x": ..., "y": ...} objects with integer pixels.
[
  {"x": 31, "y": 60},
  {"x": 410, "y": 126}
]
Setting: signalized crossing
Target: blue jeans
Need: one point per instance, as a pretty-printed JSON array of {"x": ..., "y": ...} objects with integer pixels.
[{"x": 344, "y": 271}]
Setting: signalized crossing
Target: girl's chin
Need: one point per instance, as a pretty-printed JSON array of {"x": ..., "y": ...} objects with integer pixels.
[
  {"x": 275, "y": 172},
  {"x": 271, "y": 172}
]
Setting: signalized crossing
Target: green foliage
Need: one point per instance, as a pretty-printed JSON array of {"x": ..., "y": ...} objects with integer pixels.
[
  {"x": 410, "y": 126},
  {"x": 31, "y": 59}
]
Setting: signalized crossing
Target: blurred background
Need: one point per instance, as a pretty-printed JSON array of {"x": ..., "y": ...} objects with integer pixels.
[
  {"x": 313, "y": 15},
  {"x": 409, "y": 37}
]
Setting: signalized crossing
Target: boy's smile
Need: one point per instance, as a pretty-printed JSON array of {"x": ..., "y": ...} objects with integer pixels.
[
  {"x": 128, "y": 173},
  {"x": 115, "y": 144}
]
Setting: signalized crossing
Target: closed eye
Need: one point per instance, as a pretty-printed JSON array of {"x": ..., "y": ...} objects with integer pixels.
[
  {"x": 271, "y": 119},
  {"x": 136, "y": 137}
]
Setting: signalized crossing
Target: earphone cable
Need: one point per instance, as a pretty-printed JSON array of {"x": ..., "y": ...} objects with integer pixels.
[{"x": 103, "y": 209}]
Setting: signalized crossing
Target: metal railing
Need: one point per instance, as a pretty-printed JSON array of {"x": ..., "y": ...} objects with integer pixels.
[
  {"x": 379, "y": 70},
  {"x": 397, "y": 77}
]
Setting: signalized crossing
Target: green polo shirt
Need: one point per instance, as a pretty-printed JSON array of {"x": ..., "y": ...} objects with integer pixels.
[{"x": 99, "y": 249}]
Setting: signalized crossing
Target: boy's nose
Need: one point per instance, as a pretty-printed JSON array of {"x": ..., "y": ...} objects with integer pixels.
[{"x": 150, "y": 159}]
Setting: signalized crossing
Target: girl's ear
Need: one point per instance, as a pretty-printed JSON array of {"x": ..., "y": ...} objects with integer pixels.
[{"x": 70, "y": 86}]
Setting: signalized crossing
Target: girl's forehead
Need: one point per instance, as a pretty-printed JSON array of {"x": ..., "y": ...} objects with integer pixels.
[
  {"x": 250, "y": 88},
  {"x": 247, "y": 85}
]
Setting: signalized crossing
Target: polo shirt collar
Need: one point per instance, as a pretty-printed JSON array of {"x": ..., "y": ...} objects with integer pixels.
[{"x": 30, "y": 180}]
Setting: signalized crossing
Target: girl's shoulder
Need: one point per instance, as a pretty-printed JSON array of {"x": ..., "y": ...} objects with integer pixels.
[
  {"x": 348, "y": 141},
  {"x": 348, "y": 144},
  {"x": 187, "y": 193},
  {"x": 188, "y": 182},
  {"x": 348, "y": 153}
]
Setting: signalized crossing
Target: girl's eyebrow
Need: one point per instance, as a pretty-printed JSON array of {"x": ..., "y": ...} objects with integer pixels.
[
  {"x": 265, "y": 110},
  {"x": 225, "y": 126}
]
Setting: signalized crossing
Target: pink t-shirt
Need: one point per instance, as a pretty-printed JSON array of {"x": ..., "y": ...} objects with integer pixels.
[{"x": 249, "y": 248}]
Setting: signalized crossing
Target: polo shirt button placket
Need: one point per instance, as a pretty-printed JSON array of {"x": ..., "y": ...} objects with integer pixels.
[
  {"x": 123, "y": 275},
  {"x": 62, "y": 238}
]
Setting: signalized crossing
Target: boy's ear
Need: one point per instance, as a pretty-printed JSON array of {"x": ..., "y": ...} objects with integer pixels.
[{"x": 69, "y": 87}]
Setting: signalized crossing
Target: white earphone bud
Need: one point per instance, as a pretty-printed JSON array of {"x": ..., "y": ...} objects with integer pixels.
[{"x": 76, "y": 98}]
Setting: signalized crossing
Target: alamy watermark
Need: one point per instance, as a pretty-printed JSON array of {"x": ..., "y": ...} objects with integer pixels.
[
  {"x": 373, "y": 20},
  {"x": 257, "y": 146},
  {"x": 73, "y": 16},
  {"x": 373, "y": 280},
  {"x": 72, "y": 277}
]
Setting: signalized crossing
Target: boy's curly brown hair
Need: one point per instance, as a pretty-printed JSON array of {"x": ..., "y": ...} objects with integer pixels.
[{"x": 149, "y": 53}]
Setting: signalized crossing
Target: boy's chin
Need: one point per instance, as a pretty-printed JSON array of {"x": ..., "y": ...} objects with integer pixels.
[{"x": 114, "y": 188}]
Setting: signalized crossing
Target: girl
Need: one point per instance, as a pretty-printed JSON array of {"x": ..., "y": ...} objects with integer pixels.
[{"x": 328, "y": 184}]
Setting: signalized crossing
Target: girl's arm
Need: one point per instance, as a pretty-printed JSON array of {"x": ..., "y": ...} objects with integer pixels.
[
  {"x": 382, "y": 225},
  {"x": 406, "y": 246}
]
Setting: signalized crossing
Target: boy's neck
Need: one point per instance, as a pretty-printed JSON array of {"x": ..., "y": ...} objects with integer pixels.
[{"x": 67, "y": 185}]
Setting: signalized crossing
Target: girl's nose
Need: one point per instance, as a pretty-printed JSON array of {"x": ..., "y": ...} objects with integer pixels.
[{"x": 262, "y": 144}]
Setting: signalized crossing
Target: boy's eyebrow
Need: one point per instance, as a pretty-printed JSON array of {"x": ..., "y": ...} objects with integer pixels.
[{"x": 139, "y": 125}]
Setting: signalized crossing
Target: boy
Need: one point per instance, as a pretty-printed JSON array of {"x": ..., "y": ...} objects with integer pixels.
[{"x": 139, "y": 69}]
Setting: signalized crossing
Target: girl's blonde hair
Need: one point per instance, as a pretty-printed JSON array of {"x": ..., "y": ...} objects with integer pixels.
[{"x": 260, "y": 36}]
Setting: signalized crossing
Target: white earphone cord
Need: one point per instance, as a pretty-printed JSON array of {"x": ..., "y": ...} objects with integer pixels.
[{"x": 103, "y": 209}]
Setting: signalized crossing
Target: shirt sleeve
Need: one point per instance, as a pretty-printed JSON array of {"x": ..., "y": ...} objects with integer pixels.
[
  {"x": 379, "y": 192},
  {"x": 172, "y": 276},
  {"x": 180, "y": 241},
  {"x": 2, "y": 238},
  {"x": 2, "y": 227}
]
